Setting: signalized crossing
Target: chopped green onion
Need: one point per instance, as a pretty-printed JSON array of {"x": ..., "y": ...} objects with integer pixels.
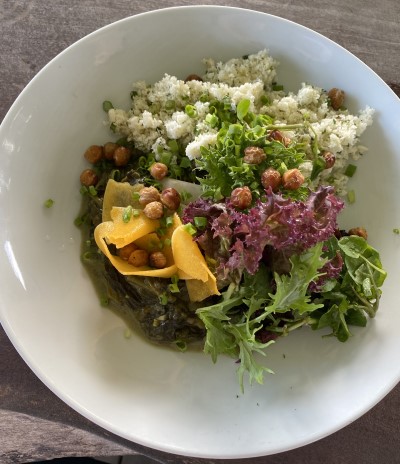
[
  {"x": 190, "y": 229},
  {"x": 78, "y": 221},
  {"x": 167, "y": 242},
  {"x": 200, "y": 221},
  {"x": 351, "y": 196},
  {"x": 396, "y": 231},
  {"x": 163, "y": 298},
  {"x": 135, "y": 213},
  {"x": 90, "y": 256},
  {"x": 173, "y": 288},
  {"x": 92, "y": 190},
  {"x": 350, "y": 170},
  {"x": 191, "y": 111},
  {"x": 135, "y": 196},
  {"x": 104, "y": 300},
  {"x": 265, "y": 100},
  {"x": 169, "y": 220},
  {"x": 170, "y": 105},
  {"x": 142, "y": 161},
  {"x": 277, "y": 88},
  {"x": 212, "y": 120},
  {"x": 127, "y": 214},
  {"x": 155, "y": 107},
  {"x": 181, "y": 345},
  {"x": 115, "y": 174},
  {"x": 49, "y": 203},
  {"x": 107, "y": 106},
  {"x": 161, "y": 232}
]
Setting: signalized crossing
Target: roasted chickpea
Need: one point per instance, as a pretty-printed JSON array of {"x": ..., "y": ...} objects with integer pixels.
[
  {"x": 170, "y": 198},
  {"x": 148, "y": 194},
  {"x": 279, "y": 137},
  {"x": 329, "y": 158},
  {"x": 271, "y": 178},
  {"x": 360, "y": 231},
  {"x": 336, "y": 97},
  {"x": 154, "y": 210},
  {"x": 193, "y": 77},
  {"x": 158, "y": 170},
  {"x": 121, "y": 156},
  {"x": 126, "y": 251},
  {"x": 241, "y": 197},
  {"x": 109, "y": 150},
  {"x": 139, "y": 258},
  {"x": 88, "y": 178},
  {"x": 292, "y": 179},
  {"x": 254, "y": 155},
  {"x": 157, "y": 259},
  {"x": 94, "y": 154}
]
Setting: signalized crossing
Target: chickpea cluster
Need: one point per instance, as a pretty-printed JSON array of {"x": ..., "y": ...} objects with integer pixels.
[
  {"x": 154, "y": 202},
  {"x": 155, "y": 205},
  {"x": 292, "y": 179},
  {"x": 111, "y": 151},
  {"x": 139, "y": 257}
]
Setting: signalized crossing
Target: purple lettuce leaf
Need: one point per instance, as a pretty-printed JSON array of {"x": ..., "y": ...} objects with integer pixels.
[{"x": 237, "y": 240}]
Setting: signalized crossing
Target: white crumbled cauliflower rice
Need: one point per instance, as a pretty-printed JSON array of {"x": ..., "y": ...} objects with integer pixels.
[{"x": 158, "y": 113}]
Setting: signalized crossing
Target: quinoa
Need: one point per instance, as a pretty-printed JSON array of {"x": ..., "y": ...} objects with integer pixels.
[{"x": 158, "y": 113}]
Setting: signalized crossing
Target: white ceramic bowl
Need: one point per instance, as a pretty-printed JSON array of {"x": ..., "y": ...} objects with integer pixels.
[{"x": 181, "y": 403}]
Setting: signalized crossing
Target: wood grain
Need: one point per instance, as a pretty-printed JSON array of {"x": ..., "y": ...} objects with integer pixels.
[{"x": 34, "y": 423}]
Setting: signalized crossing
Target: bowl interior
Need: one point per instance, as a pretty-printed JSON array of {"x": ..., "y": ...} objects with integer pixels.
[{"x": 181, "y": 402}]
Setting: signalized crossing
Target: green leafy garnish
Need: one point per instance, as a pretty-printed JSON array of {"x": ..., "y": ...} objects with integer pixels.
[
  {"x": 48, "y": 203},
  {"x": 107, "y": 106}
]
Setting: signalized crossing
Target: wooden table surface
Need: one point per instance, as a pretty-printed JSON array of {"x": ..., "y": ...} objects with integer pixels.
[{"x": 34, "y": 423}]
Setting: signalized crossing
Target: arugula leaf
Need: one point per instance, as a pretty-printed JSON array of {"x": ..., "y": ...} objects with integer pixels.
[
  {"x": 356, "y": 292},
  {"x": 365, "y": 274},
  {"x": 335, "y": 318}
]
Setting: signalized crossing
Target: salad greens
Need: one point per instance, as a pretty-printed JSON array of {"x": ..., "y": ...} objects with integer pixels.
[
  {"x": 283, "y": 261},
  {"x": 251, "y": 316},
  {"x": 279, "y": 258}
]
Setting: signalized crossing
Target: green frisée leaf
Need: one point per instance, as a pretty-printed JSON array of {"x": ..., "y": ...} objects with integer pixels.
[
  {"x": 234, "y": 323},
  {"x": 291, "y": 290},
  {"x": 231, "y": 329}
]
